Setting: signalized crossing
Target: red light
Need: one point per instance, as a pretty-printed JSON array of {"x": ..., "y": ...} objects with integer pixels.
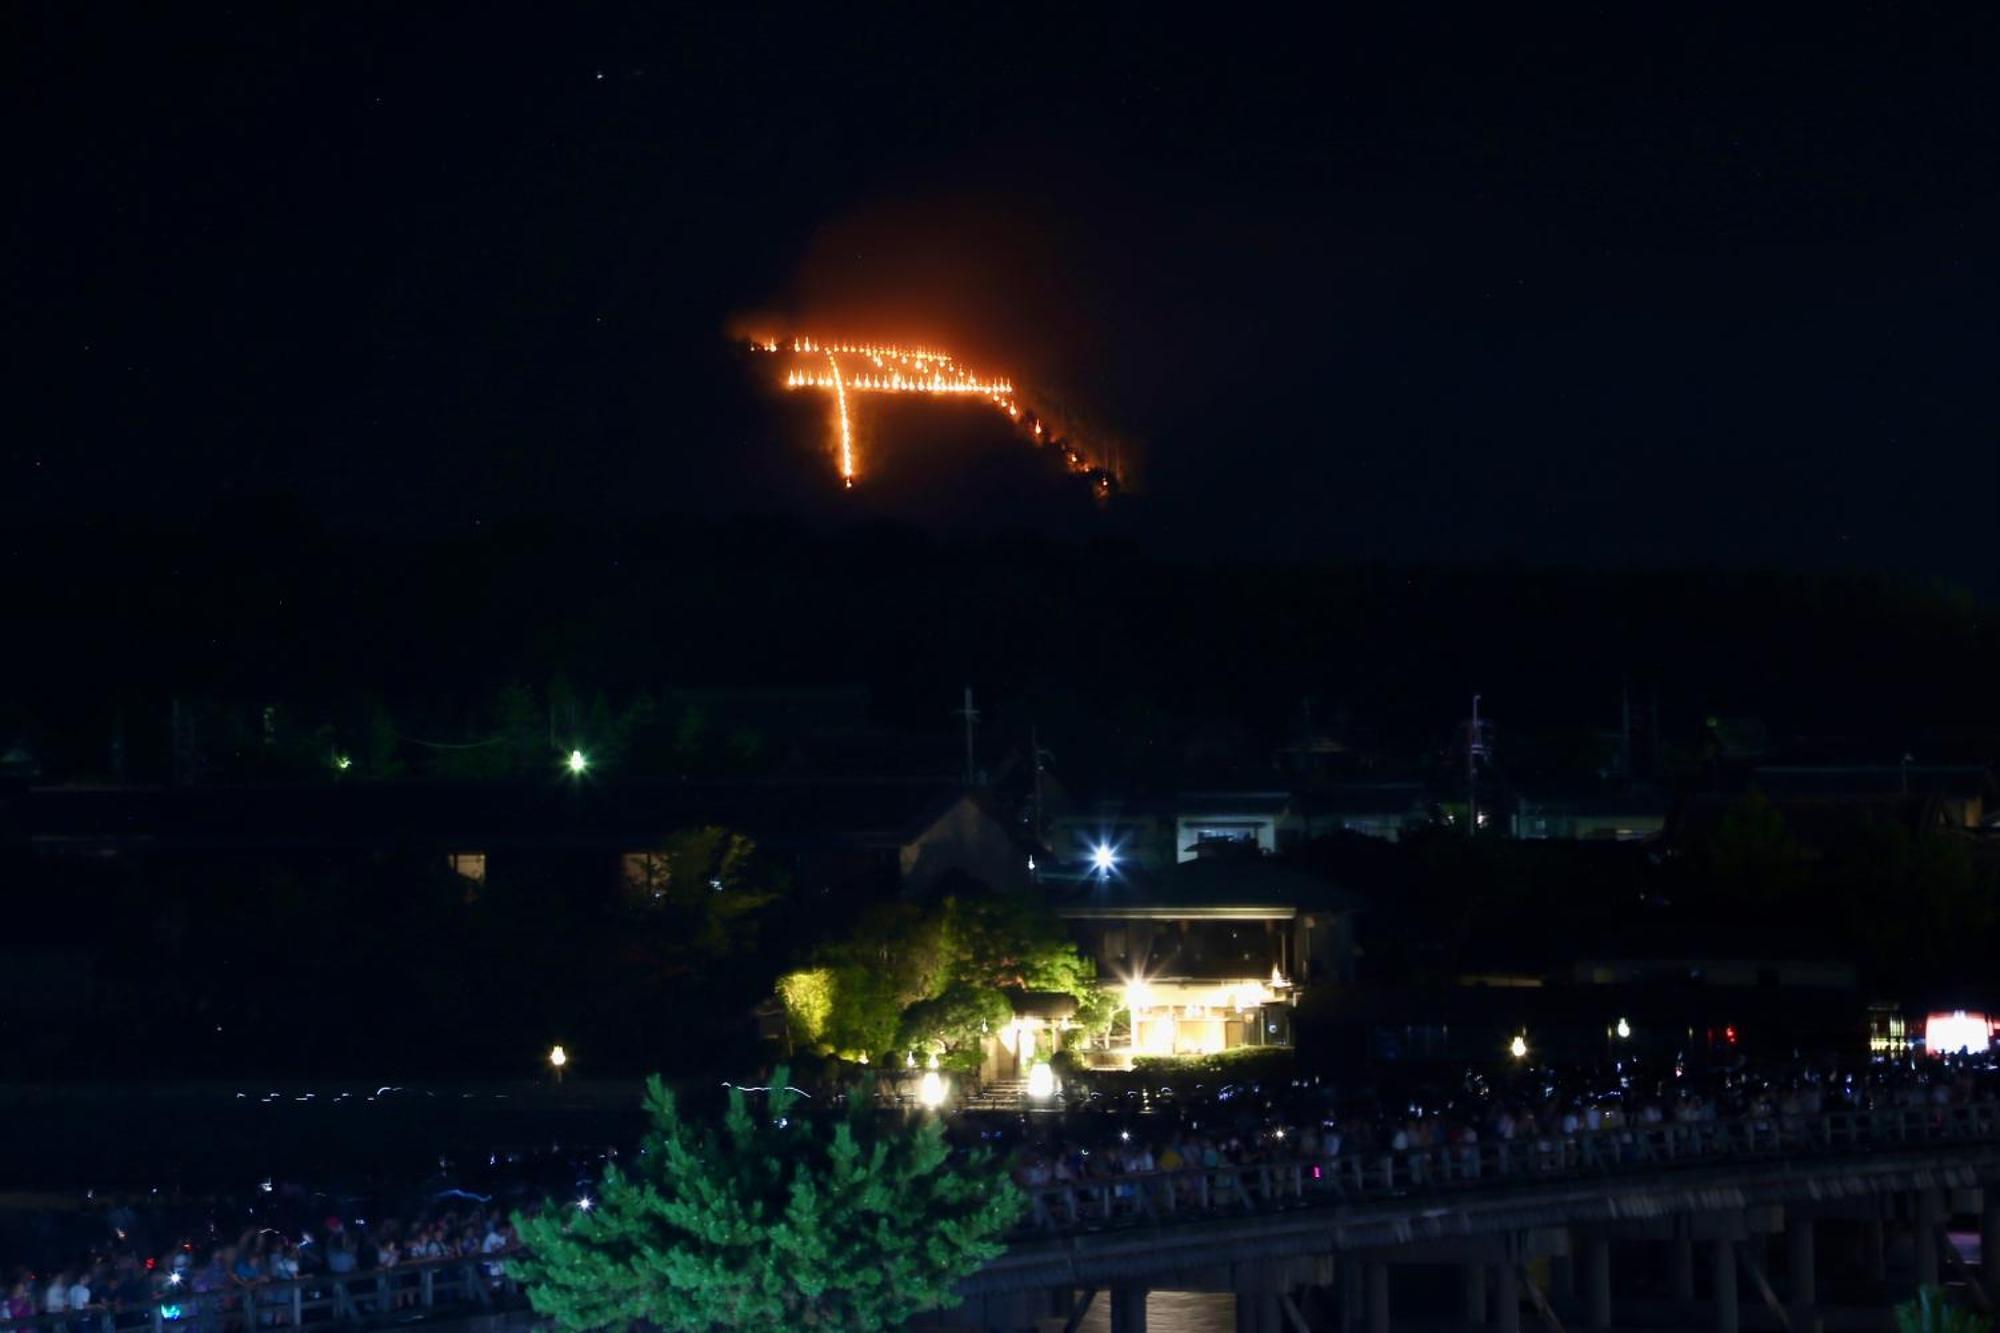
[
  {"x": 151, "y": 1263},
  {"x": 1729, "y": 1035}
]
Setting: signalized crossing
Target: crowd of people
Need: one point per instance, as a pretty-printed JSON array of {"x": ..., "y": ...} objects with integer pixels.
[
  {"x": 1235, "y": 1125},
  {"x": 240, "y": 1280}
]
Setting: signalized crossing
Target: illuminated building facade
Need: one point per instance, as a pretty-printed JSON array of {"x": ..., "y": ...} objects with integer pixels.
[{"x": 1210, "y": 954}]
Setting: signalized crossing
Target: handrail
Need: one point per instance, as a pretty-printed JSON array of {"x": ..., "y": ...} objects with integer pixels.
[
  {"x": 1157, "y": 1196},
  {"x": 401, "y": 1292}
]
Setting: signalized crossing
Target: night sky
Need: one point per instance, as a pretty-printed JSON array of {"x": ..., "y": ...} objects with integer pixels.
[{"x": 1693, "y": 290}]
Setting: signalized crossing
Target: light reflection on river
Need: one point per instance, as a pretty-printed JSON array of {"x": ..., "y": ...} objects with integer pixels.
[{"x": 1171, "y": 1312}]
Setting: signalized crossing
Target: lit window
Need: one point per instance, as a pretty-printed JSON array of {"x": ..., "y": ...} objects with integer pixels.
[
  {"x": 646, "y": 874},
  {"x": 468, "y": 865}
]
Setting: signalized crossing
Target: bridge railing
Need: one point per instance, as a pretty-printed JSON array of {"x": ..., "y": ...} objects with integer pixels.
[
  {"x": 403, "y": 1293},
  {"x": 1268, "y": 1186}
]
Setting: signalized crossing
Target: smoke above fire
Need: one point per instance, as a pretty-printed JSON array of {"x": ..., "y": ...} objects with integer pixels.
[{"x": 961, "y": 298}]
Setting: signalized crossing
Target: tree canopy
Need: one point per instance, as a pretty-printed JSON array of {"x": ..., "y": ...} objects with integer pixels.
[
  {"x": 935, "y": 979},
  {"x": 777, "y": 1219}
]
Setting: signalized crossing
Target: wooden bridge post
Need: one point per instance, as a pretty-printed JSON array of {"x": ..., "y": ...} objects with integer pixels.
[
  {"x": 1597, "y": 1279},
  {"x": 1801, "y": 1272},
  {"x": 1351, "y": 1305},
  {"x": 1128, "y": 1310},
  {"x": 1683, "y": 1262},
  {"x": 1727, "y": 1316},
  {"x": 1260, "y": 1310},
  {"x": 1376, "y": 1279},
  {"x": 1507, "y": 1296},
  {"x": 1929, "y": 1234},
  {"x": 1875, "y": 1251},
  {"x": 1472, "y": 1304},
  {"x": 1562, "y": 1278}
]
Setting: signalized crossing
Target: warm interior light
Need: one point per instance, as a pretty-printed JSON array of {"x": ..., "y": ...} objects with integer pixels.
[{"x": 1956, "y": 1032}]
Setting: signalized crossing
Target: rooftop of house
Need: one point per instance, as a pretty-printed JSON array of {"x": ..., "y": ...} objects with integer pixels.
[{"x": 1228, "y": 884}]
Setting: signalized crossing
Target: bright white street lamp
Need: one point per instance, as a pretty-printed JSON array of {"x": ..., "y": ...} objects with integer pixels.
[
  {"x": 1103, "y": 859},
  {"x": 577, "y": 762},
  {"x": 1518, "y": 1048}
]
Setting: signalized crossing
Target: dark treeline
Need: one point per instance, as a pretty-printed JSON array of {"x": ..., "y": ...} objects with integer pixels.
[{"x": 1136, "y": 669}]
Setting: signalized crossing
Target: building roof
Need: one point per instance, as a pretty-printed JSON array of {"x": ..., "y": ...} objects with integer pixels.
[
  {"x": 1209, "y": 886},
  {"x": 1638, "y": 800},
  {"x": 1366, "y": 798},
  {"x": 1232, "y": 802}
]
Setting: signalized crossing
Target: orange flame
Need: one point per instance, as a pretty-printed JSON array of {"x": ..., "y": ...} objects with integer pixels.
[{"x": 890, "y": 368}]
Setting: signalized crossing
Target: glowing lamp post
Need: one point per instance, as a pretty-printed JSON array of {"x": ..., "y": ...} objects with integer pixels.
[
  {"x": 1103, "y": 859},
  {"x": 577, "y": 763},
  {"x": 558, "y": 1057},
  {"x": 1518, "y": 1048},
  {"x": 931, "y": 1088},
  {"x": 1624, "y": 1030},
  {"x": 1041, "y": 1081}
]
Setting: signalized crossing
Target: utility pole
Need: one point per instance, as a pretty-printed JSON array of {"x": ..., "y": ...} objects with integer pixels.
[
  {"x": 1625, "y": 764},
  {"x": 971, "y": 716},
  {"x": 1472, "y": 771}
]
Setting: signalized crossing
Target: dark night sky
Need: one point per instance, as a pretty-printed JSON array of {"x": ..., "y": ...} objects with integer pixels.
[{"x": 1693, "y": 290}]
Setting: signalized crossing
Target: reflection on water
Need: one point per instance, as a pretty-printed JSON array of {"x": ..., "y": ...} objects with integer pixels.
[{"x": 1171, "y": 1312}]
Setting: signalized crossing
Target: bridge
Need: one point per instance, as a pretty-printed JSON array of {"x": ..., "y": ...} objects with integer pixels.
[{"x": 1716, "y": 1225}]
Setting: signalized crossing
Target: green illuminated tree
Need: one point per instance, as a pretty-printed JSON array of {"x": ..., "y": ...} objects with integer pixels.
[
  {"x": 776, "y": 1219},
  {"x": 1933, "y": 1312},
  {"x": 952, "y": 1023},
  {"x": 937, "y": 979}
]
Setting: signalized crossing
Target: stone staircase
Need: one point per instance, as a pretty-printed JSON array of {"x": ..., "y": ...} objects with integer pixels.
[{"x": 1007, "y": 1094}]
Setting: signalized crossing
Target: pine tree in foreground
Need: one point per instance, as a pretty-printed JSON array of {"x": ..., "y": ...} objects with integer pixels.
[{"x": 778, "y": 1220}]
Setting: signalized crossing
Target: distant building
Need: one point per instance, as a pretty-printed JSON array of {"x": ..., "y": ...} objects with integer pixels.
[
  {"x": 1386, "y": 810},
  {"x": 1209, "y": 954},
  {"x": 1250, "y": 818},
  {"x": 1634, "y": 815},
  {"x": 1940, "y": 796}
]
